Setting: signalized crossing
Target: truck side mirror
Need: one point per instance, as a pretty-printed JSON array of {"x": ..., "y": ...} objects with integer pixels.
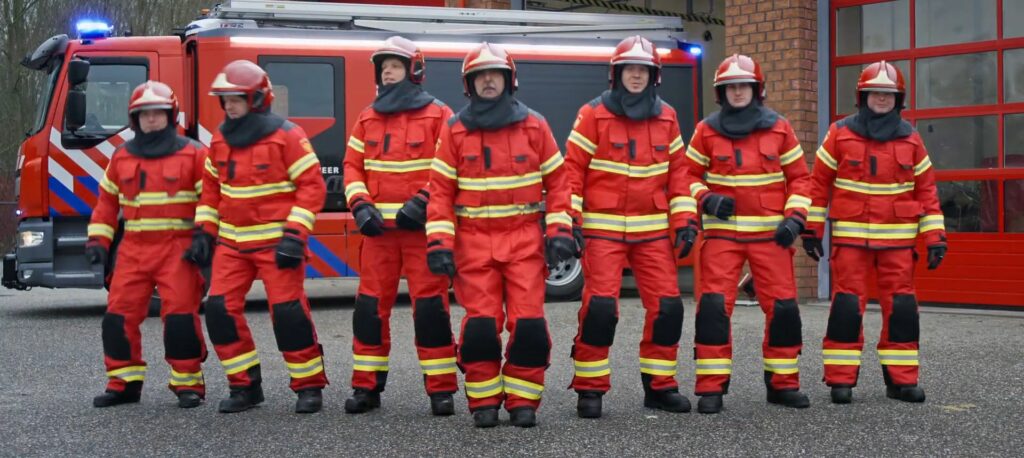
[
  {"x": 74, "y": 112},
  {"x": 78, "y": 72}
]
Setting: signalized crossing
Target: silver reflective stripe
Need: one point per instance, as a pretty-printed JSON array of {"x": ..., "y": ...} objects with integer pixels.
[
  {"x": 431, "y": 367},
  {"x": 714, "y": 366},
  {"x": 600, "y": 368},
  {"x": 127, "y": 375},
  {"x": 523, "y": 388},
  {"x": 843, "y": 357},
  {"x": 899, "y": 357},
  {"x": 657, "y": 367},
  {"x": 240, "y": 363},
  {"x": 483, "y": 389}
]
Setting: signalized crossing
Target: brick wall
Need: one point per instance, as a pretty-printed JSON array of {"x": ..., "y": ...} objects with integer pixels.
[{"x": 782, "y": 36}]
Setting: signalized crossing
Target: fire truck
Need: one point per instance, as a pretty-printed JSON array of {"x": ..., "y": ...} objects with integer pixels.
[{"x": 318, "y": 58}]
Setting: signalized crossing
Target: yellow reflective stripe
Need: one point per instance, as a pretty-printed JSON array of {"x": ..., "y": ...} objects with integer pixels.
[
  {"x": 838, "y": 357},
  {"x": 302, "y": 216},
  {"x": 696, "y": 156},
  {"x": 676, "y": 144},
  {"x": 876, "y": 231},
  {"x": 198, "y": 186},
  {"x": 100, "y": 230},
  {"x": 826, "y": 158},
  {"x": 522, "y": 388},
  {"x": 440, "y": 166},
  {"x": 683, "y": 204},
  {"x": 898, "y": 357},
  {"x": 577, "y": 202},
  {"x": 558, "y": 218},
  {"x": 798, "y": 202},
  {"x": 301, "y": 165},
  {"x": 497, "y": 211},
  {"x": 816, "y": 215},
  {"x": 502, "y": 182},
  {"x": 745, "y": 180},
  {"x": 207, "y": 214},
  {"x": 109, "y": 186},
  {"x": 438, "y": 366},
  {"x": 415, "y": 165},
  {"x": 356, "y": 144},
  {"x": 306, "y": 369},
  {"x": 883, "y": 189},
  {"x": 254, "y": 233},
  {"x": 484, "y": 389},
  {"x": 657, "y": 366},
  {"x": 370, "y": 363},
  {"x": 260, "y": 190},
  {"x": 440, "y": 227},
  {"x": 158, "y": 198},
  {"x": 129, "y": 373},
  {"x": 628, "y": 224},
  {"x": 781, "y": 365},
  {"x": 158, "y": 224},
  {"x": 240, "y": 363},
  {"x": 211, "y": 169},
  {"x": 931, "y": 223},
  {"x": 552, "y": 164},
  {"x": 714, "y": 366},
  {"x": 743, "y": 223},
  {"x": 922, "y": 166},
  {"x": 697, "y": 187},
  {"x": 186, "y": 378},
  {"x": 582, "y": 141},
  {"x": 789, "y": 156},
  {"x": 630, "y": 170},
  {"x": 355, "y": 187},
  {"x": 592, "y": 368}
]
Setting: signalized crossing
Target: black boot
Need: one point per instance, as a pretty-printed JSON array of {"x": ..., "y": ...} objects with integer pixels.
[
  {"x": 589, "y": 404},
  {"x": 486, "y": 417},
  {"x": 789, "y": 398},
  {"x": 362, "y": 401},
  {"x": 189, "y": 399},
  {"x": 523, "y": 417},
  {"x": 241, "y": 399},
  {"x": 442, "y": 404},
  {"x": 310, "y": 400},
  {"x": 711, "y": 403},
  {"x": 131, "y": 394},
  {"x": 905, "y": 393},
  {"x": 842, "y": 394},
  {"x": 668, "y": 400}
]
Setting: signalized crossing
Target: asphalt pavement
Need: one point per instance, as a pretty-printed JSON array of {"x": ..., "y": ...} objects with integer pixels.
[{"x": 51, "y": 366}]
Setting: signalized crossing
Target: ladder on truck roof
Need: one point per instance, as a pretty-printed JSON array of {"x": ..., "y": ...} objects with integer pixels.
[{"x": 434, "y": 20}]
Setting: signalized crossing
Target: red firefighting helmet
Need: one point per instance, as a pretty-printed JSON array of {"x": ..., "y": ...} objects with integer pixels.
[
  {"x": 487, "y": 56},
  {"x": 246, "y": 79},
  {"x": 738, "y": 68},
  {"x": 153, "y": 95},
  {"x": 404, "y": 49},
  {"x": 881, "y": 76},
  {"x": 635, "y": 50}
]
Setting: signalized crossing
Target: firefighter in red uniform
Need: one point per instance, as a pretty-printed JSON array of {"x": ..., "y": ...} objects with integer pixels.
[
  {"x": 262, "y": 188},
  {"x": 626, "y": 166},
  {"x": 387, "y": 164},
  {"x": 494, "y": 160},
  {"x": 874, "y": 175},
  {"x": 748, "y": 176},
  {"x": 154, "y": 179}
]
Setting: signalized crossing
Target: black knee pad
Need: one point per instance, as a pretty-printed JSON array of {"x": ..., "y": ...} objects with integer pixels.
[
  {"x": 115, "y": 340},
  {"x": 845, "y": 320},
  {"x": 784, "y": 330},
  {"x": 480, "y": 341},
  {"x": 904, "y": 322},
  {"x": 366, "y": 321},
  {"x": 668, "y": 326},
  {"x": 712, "y": 322},
  {"x": 431, "y": 322},
  {"x": 292, "y": 328},
  {"x": 219, "y": 324},
  {"x": 180, "y": 338},
  {"x": 599, "y": 322},
  {"x": 531, "y": 346}
]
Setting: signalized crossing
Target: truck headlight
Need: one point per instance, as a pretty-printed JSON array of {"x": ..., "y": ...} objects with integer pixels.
[{"x": 28, "y": 239}]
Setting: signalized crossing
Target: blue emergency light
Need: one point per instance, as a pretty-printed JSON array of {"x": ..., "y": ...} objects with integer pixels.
[
  {"x": 93, "y": 29},
  {"x": 695, "y": 50}
]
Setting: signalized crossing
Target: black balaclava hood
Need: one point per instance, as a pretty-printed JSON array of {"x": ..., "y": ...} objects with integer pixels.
[
  {"x": 736, "y": 123},
  {"x": 495, "y": 113},
  {"x": 158, "y": 143},
  {"x": 401, "y": 96},
  {"x": 250, "y": 128},
  {"x": 878, "y": 127},
  {"x": 637, "y": 107}
]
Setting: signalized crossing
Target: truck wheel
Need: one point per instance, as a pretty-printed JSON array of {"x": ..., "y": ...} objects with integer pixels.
[{"x": 565, "y": 282}]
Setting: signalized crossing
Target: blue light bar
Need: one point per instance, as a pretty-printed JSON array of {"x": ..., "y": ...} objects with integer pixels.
[
  {"x": 93, "y": 29},
  {"x": 695, "y": 50}
]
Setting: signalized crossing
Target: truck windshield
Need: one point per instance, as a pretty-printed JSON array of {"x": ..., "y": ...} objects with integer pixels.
[
  {"x": 107, "y": 93},
  {"x": 45, "y": 91}
]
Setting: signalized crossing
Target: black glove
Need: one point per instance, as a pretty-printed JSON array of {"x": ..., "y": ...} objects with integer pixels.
[
  {"x": 413, "y": 214},
  {"x": 96, "y": 254},
  {"x": 814, "y": 248},
  {"x": 369, "y": 220},
  {"x": 719, "y": 205},
  {"x": 200, "y": 252},
  {"x": 789, "y": 229},
  {"x": 441, "y": 262},
  {"x": 685, "y": 238},
  {"x": 291, "y": 251},
  {"x": 559, "y": 249},
  {"x": 935, "y": 255},
  {"x": 577, "y": 235}
]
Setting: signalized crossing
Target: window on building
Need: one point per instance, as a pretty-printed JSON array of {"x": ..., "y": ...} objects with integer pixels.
[
  {"x": 1013, "y": 75},
  {"x": 1013, "y": 140},
  {"x": 970, "y": 206},
  {"x": 1013, "y": 213},
  {"x": 874, "y": 27},
  {"x": 961, "y": 143},
  {"x": 943, "y": 22},
  {"x": 957, "y": 80},
  {"x": 1013, "y": 18}
]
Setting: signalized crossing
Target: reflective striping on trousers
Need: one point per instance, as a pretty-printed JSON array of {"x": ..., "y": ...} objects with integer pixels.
[
  {"x": 306, "y": 369},
  {"x": 657, "y": 366},
  {"x": 438, "y": 366},
  {"x": 484, "y": 389},
  {"x": 898, "y": 357},
  {"x": 781, "y": 365},
  {"x": 129, "y": 373},
  {"x": 240, "y": 362},
  {"x": 838, "y": 357},
  {"x": 522, "y": 388},
  {"x": 370, "y": 363},
  {"x": 592, "y": 368},
  {"x": 186, "y": 378},
  {"x": 714, "y": 366}
]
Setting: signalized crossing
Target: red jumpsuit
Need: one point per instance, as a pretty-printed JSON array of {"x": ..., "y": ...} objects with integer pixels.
[
  {"x": 628, "y": 189},
  {"x": 387, "y": 162},
  {"x": 252, "y": 195},
  {"x": 766, "y": 175},
  {"x": 158, "y": 199},
  {"x": 881, "y": 197},
  {"x": 485, "y": 205}
]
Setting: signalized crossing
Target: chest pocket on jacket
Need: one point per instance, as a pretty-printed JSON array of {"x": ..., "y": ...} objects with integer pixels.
[
  {"x": 264, "y": 162},
  {"x": 851, "y": 164},
  {"x": 723, "y": 157},
  {"x": 903, "y": 170},
  {"x": 128, "y": 178},
  {"x": 659, "y": 142},
  {"x": 470, "y": 165},
  {"x": 416, "y": 143},
  {"x": 616, "y": 144},
  {"x": 770, "y": 148}
]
